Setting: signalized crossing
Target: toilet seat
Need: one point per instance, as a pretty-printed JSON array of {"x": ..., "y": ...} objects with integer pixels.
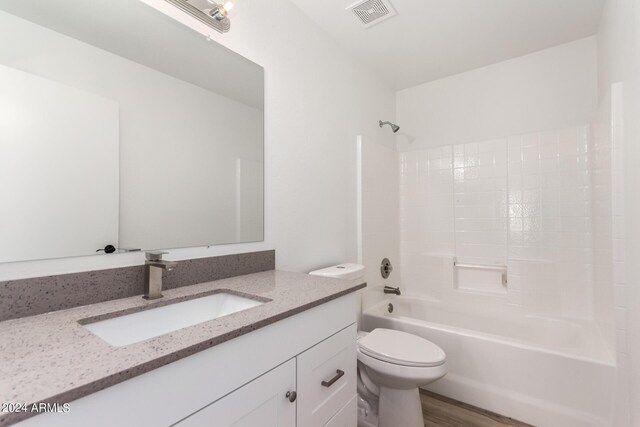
[
  {"x": 398, "y": 376},
  {"x": 401, "y": 348}
]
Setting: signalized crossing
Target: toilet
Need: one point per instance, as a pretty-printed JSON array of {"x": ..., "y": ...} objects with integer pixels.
[{"x": 392, "y": 366}]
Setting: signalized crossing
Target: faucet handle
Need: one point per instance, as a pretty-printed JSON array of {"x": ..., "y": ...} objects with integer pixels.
[{"x": 154, "y": 255}]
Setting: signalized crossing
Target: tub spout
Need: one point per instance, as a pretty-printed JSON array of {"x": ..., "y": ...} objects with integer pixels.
[{"x": 390, "y": 290}]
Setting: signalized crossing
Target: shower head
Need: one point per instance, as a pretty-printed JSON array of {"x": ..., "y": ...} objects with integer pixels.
[{"x": 395, "y": 128}]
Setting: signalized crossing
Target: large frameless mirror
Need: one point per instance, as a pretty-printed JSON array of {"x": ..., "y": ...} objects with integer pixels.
[{"x": 120, "y": 128}]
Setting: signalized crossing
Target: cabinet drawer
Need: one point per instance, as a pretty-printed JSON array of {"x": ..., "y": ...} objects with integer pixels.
[
  {"x": 347, "y": 417},
  {"x": 327, "y": 378}
]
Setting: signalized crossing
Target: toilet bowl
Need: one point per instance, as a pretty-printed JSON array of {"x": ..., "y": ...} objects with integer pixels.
[{"x": 392, "y": 365}]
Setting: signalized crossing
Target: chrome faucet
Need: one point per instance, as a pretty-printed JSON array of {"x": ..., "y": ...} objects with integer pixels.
[
  {"x": 390, "y": 290},
  {"x": 154, "y": 266}
]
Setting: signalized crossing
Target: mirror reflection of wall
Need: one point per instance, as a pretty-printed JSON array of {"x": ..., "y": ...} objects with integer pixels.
[
  {"x": 59, "y": 156},
  {"x": 158, "y": 155}
]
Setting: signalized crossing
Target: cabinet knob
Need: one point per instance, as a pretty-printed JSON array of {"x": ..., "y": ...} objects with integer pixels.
[{"x": 291, "y": 395}]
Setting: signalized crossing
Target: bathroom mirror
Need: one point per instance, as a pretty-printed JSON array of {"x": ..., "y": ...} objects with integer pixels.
[{"x": 120, "y": 126}]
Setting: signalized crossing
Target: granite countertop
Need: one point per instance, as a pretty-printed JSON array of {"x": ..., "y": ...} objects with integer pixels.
[{"x": 52, "y": 358}]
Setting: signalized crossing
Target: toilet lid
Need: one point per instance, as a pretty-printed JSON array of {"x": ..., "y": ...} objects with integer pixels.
[{"x": 401, "y": 348}]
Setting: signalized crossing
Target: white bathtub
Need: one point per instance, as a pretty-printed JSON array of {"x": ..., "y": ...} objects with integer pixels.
[{"x": 541, "y": 371}]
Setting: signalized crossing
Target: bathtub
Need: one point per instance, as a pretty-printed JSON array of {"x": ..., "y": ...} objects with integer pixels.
[{"x": 546, "y": 372}]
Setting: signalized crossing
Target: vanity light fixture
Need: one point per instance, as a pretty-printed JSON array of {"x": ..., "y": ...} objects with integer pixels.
[{"x": 209, "y": 12}]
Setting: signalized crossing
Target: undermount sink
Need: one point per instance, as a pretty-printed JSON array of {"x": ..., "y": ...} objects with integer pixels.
[{"x": 142, "y": 325}]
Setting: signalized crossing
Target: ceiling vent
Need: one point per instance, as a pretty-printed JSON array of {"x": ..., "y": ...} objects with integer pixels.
[{"x": 372, "y": 12}]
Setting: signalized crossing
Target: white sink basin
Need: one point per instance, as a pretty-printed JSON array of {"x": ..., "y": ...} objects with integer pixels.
[{"x": 142, "y": 325}]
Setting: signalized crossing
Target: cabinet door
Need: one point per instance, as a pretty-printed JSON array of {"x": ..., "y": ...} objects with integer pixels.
[
  {"x": 327, "y": 378},
  {"x": 347, "y": 417},
  {"x": 262, "y": 402}
]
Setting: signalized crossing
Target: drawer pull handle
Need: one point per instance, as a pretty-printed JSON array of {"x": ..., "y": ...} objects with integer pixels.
[
  {"x": 291, "y": 396},
  {"x": 339, "y": 374}
]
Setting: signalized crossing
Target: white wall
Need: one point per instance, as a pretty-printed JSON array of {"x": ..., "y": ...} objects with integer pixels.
[
  {"x": 546, "y": 90},
  {"x": 379, "y": 222},
  {"x": 619, "y": 74},
  {"x": 317, "y": 100}
]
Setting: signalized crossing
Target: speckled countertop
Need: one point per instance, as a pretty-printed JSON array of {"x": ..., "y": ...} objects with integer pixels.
[{"x": 52, "y": 358}]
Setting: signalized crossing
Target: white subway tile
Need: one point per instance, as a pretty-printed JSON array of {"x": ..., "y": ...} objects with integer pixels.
[{"x": 538, "y": 200}]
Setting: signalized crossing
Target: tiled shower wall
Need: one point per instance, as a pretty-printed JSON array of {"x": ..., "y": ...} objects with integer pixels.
[
  {"x": 481, "y": 220},
  {"x": 550, "y": 222},
  {"x": 426, "y": 220},
  {"x": 524, "y": 201}
]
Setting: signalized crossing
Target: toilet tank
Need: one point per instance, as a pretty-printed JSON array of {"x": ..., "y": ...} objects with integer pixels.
[{"x": 341, "y": 271}]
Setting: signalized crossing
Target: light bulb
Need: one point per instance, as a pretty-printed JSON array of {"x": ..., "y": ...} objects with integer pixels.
[{"x": 219, "y": 12}]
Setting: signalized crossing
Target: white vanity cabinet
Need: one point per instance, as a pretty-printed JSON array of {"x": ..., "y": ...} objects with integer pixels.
[
  {"x": 243, "y": 381},
  {"x": 326, "y": 375}
]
